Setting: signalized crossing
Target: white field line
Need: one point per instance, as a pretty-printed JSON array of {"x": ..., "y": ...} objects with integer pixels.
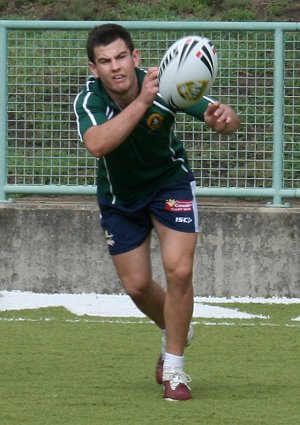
[
  {"x": 140, "y": 322},
  {"x": 121, "y": 306}
]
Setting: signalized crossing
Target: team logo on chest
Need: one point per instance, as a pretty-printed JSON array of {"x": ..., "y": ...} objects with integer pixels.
[{"x": 154, "y": 121}]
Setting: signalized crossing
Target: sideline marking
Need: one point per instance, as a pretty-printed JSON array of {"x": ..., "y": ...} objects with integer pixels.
[
  {"x": 140, "y": 322},
  {"x": 105, "y": 305},
  {"x": 121, "y": 306}
]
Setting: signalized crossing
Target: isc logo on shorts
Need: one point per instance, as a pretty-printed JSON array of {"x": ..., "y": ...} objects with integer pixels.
[{"x": 183, "y": 220}]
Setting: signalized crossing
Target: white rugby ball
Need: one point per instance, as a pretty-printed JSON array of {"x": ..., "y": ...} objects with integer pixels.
[{"x": 187, "y": 71}]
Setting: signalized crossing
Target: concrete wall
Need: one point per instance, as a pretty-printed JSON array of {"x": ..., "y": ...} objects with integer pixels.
[{"x": 243, "y": 250}]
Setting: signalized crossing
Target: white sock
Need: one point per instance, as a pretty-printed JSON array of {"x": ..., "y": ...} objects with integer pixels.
[
  {"x": 164, "y": 340},
  {"x": 173, "y": 362}
]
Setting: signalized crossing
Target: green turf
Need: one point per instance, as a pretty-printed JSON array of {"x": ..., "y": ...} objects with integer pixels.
[{"x": 57, "y": 369}]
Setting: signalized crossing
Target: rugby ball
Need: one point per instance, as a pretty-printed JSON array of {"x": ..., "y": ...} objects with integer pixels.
[{"x": 187, "y": 71}]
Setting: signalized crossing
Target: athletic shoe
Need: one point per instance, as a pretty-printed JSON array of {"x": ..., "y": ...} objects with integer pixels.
[
  {"x": 160, "y": 361},
  {"x": 176, "y": 385}
]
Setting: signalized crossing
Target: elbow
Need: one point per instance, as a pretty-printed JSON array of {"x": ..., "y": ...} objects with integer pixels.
[
  {"x": 94, "y": 150},
  {"x": 94, "y": 147}
]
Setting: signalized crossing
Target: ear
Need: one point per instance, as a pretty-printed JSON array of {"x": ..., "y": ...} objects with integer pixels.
[
  {"x": 136, "y": 57},
  {"x": 93, "y": 70}
]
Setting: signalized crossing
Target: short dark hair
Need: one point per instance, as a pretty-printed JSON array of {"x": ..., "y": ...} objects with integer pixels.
[{"x": 106, "y": 34}]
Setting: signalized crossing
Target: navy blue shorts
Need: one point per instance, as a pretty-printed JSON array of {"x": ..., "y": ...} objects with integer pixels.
[{"x": 127, "y": 226}]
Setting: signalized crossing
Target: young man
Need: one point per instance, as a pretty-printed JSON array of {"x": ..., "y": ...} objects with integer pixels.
[{"x": 145, "y": 182}]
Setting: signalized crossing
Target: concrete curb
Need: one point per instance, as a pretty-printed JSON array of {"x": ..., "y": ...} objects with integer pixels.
[{"x": 243, "y": 250}]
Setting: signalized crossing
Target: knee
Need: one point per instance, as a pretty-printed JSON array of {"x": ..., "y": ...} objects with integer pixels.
[
  {"x": 137, "y": 290},
  {"x": 180, "y": 274}
]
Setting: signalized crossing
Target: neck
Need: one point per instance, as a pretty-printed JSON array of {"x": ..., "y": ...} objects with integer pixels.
[
  {"x": 122, "y": 102},
  {"x": 124, "y": 99}
]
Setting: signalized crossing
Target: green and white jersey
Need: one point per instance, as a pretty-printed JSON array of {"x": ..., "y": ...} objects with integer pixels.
[{"x": 151, "y": 157}]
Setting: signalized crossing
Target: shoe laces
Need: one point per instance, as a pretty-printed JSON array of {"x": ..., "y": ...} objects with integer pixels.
[{"x": 176, "y": 377}]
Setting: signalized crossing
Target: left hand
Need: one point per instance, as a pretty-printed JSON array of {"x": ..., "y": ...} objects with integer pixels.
[{"x": 221, "y": 118}]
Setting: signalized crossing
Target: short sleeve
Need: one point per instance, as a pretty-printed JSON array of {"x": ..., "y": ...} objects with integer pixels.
[{"x": 90, "y": 110}]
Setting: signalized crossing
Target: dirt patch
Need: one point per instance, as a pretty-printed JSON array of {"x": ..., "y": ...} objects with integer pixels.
[{"x": 56, "y": 10}]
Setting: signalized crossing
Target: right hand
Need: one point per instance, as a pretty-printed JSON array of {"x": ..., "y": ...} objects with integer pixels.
[{"x": 150, "y": 86}]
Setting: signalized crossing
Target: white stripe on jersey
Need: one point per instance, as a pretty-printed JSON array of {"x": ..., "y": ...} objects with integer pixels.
[
  {"x": 92, "y": 118},
  {"x": 164, "y": 107},
  {"x": 173, "y": 158},
  {"x": 209, "y": 99},
  {"x": 195, "y": 207},
  {"x": 77, "y": 117},
  {"x": 84, "y": 104},
  {"x": 109, "y": 112},
  {"x": 114, "y": 198}
]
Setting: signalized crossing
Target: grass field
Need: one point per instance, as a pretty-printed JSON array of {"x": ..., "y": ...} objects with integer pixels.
[{"x": 58, "y": 368}]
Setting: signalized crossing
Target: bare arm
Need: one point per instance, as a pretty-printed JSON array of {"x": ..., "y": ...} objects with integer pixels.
[
  {"x": 221, "y": 118},
  {"x": 102, "y": 139}
]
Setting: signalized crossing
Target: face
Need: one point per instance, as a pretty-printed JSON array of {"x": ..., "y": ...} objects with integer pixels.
[{"x": 115, "y": 66}]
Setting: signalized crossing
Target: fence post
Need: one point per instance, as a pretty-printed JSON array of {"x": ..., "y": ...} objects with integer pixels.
[
  {"x": 278, "y": 130},
  {"x": 3, "y": 113}
]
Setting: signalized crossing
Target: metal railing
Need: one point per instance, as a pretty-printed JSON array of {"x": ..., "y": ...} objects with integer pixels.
[{"x": 43, "y": 65}]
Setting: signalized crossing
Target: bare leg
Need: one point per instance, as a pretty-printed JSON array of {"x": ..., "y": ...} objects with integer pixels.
[
  {"x": 178, "y": 254},
  {"x": 134, "y": 270}
]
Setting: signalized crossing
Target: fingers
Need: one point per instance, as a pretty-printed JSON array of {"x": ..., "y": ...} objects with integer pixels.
[
  {"x": 152, "y": 76},
  {"x": 223, "y": 114},
  {"x": 221, "y": 118},
  {"x": 151, "y": 80},
  {"x": 219, "y": 113},
  {"x": 153, "y": 70},
  {"x": 212, "y": 108},
  {"x": 150, "y": 86}
]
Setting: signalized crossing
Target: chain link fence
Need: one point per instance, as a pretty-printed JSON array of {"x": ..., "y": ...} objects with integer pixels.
[{"x": 46, "y": 67}]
